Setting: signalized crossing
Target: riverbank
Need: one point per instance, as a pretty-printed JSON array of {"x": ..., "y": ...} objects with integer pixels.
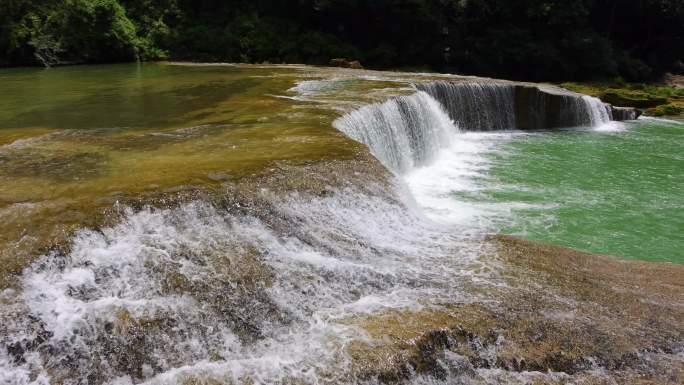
[{"x": 517, "y": 41}]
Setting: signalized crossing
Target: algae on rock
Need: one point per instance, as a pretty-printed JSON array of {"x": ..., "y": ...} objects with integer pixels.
[{"x": 655, "y": 100}]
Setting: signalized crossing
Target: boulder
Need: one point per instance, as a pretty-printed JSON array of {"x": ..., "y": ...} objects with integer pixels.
[
  {"x": 624, "y": 113},
  {"x": 345, "y": 63}
]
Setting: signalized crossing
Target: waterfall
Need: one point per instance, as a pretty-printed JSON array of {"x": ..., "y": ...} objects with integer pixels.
[
  {"x": 403, "y": 132},
  {"x": 624, "y": 113},
  {"x": 408, "y": 131},
  {"x": 476, "y": 106},
  {"x": 584, "y": 111},
  {"x": 486, "y": 106}
]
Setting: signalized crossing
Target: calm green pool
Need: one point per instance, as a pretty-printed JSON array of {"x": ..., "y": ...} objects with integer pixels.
[{"x": 619, "y": 193}]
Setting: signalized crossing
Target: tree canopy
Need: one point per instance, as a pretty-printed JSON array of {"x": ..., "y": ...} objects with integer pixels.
[{"x": 518, "y": 39}]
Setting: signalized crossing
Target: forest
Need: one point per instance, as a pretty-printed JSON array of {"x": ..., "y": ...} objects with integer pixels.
[{"x": 551, "y": 40}]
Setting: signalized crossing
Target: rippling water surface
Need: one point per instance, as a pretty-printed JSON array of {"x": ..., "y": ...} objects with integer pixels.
[{"x": 617, "y": 191}]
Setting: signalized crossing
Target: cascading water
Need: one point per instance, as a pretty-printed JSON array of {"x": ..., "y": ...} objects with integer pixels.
[
  {"x": 203, "y": 293},
  {"x": 475, "y": 106},
  {"x": 403, "y": 132},
  {"x": 415, "y": 136},
  {"x": 585, "y": 111},
  {"x": 258, "y": 290},
  {"x": 480, "y": 106},
  {"x": 409, "y": 131}
]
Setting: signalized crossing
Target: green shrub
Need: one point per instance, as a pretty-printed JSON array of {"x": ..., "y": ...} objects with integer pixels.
[
  {"x": 666, "y": 110},
  {"x": 631, "y": 98},
  {"x": 94, "y": 31},
  {"x": 518, "y": 39}
]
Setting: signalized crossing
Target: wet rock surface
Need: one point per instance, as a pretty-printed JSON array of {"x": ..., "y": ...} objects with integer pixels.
[
  {"x": 563, "y": 317},
  {"x": 171, "y": 300},
  {"x": 624, "y": 113}
]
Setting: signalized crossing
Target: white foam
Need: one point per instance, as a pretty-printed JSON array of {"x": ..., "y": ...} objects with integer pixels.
[
  {"x": 460, "y": 171},
  {"x": 345, "y": 255},
  {"x": 611, "y": 126},
  {"x": 403, "y": 132},
  {"x": 660, "y": 120}
]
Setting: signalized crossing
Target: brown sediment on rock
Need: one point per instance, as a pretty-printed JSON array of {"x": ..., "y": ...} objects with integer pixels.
[
  {"x": 562, "y": 316},
  {"x": 317, "y": 178},
  {"x": 587, "y": 276},
  {"x": 24, "y": 240}
]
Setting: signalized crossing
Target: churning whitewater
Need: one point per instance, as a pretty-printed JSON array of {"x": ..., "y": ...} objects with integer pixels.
[
  {"x": 203, "y": 292},
  {"x": 408, "y": 132},
  {"x": 403, "y": 133},
  {"x": 257, "y": 284},
  {"x": 440, "y": 140}
]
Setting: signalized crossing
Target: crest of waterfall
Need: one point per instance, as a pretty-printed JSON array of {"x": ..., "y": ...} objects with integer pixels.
[
  {"x": 487, "y": 106},
  {"x": 403, "y": 132},
  {"x": 476, "y": 106}
]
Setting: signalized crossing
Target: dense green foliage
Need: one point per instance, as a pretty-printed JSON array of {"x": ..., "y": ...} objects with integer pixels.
[{"x": 521, "y": 39}]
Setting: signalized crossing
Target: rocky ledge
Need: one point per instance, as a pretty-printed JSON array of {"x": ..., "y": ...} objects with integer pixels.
[
  {"x": 541, "y": 107},
  {"x": 562, "y": 316},
  {"x": 624, "y": 113},
  {"x": 491, "y": 104}
]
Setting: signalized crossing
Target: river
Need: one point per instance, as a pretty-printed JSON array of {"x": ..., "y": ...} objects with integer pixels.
[{"x": 176, "y": 223}]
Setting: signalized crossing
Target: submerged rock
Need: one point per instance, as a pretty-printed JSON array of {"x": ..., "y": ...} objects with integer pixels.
[{"x": 218, "y": 176}]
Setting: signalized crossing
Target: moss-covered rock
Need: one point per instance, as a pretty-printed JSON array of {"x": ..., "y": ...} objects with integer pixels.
[
  {"x": 669, "y": 109},
  {"x": 631, "y": 98},
  {"x": 656, "y": 100}
]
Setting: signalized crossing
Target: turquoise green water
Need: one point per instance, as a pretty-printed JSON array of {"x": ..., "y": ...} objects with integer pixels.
[{"x": 618, "y": 193}]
